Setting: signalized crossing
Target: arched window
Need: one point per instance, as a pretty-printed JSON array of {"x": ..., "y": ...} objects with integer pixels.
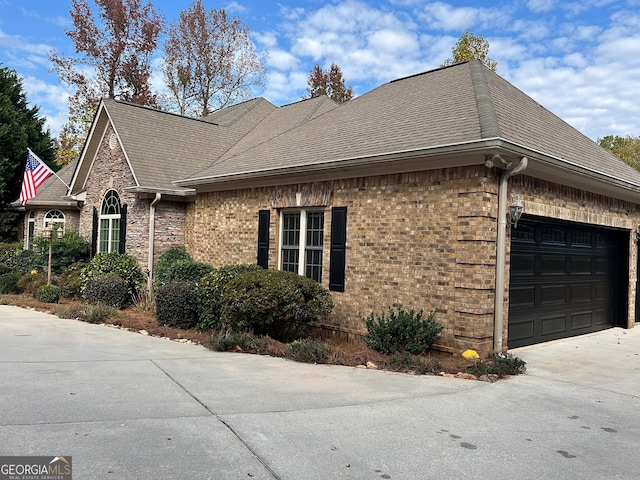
[
  {"x": 54, "y": 219},
  {"x": 110, "y": 216}
]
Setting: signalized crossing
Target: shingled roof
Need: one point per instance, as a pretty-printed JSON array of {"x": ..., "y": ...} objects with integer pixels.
[
  {"x": 160, "y": 146},
  {"x": 459, "y": 109},
  {"x": 52, "y": 192}
]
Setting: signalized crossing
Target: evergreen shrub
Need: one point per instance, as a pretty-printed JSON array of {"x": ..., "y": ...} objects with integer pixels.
[
  {"x": 177, "y": 305},
  {"x": 70, "y": 281},
  {"x": 31, "y": 282},
  {"x": 275, "y": 303},
  {"x": 402, "y": 331},
  {"x": 48, "y": 294},
  {"x": 122, "y": 265},
  {"x": 110, "y": 290},
  {"x": 210, "y": 290},
  {"x": 9, "y": 283},
  {"x": 162, "y": 270}
]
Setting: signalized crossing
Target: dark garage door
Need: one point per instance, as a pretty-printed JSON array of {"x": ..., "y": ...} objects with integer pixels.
[{"x": 566, "y": 279}]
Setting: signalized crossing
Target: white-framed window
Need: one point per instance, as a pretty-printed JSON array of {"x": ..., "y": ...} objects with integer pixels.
[
  {"x": 54, "y": 219},
  {"x": 31, "y": 230},
  {"x": 301, "y": 242},
  {"x": 109, "y": 223}
]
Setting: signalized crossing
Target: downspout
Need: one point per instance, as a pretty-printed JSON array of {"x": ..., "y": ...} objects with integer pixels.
[
  {"x": 152, "y": 233},
  {"x": 501, "y": 253}
]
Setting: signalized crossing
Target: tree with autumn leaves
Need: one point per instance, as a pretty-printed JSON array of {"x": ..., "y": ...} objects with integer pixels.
[
  {"x": 117, "y": 47},
  {"x": 329, "y": 83},
  {"x": 209, "y": 62}
]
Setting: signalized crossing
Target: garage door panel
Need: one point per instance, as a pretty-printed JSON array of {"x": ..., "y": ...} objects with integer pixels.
[
  {"x": 523, "y": 264},
  {"x": 522, "y": 297},
  {"x": 581, "y": 264},
  {"x": 553, "y": 264},
  {"x": 582, "y": 320},
  {"x": 553, "y": 295},
  {"x": 552, "y": 325},
  {"x": 563, "y": 280}
]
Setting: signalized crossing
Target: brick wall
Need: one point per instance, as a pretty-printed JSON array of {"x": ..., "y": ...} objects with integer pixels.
[{"x": 422, "y": 240}]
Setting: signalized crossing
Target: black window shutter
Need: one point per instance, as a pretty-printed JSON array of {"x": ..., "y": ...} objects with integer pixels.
[
  {"x": 264, "y": 217},
  {"x": 338, "y": 250},
  {"x": 123, "y": 229},
  {"x": 94, "y": 233}
]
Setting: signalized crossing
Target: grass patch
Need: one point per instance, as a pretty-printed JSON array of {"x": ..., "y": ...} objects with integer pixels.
[
  {"x": 499, "y": 364},
  {"x": 98, "y": 313}
]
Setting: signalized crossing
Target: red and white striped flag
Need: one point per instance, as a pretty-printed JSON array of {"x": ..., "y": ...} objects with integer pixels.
[{"x": 35, "y": 173}]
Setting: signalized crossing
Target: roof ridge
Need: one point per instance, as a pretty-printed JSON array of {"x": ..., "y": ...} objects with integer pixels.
[
  {"x": 489, "y": 125},
  {"x": 155, "y": 110}
]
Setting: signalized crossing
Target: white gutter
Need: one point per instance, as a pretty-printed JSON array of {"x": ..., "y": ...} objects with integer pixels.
[
  {"x": 501, "y": 252},
  {"x": 152, "y": 232}
]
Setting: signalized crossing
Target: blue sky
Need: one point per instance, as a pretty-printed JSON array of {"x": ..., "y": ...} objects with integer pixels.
[{"x": 581, "y": 59}]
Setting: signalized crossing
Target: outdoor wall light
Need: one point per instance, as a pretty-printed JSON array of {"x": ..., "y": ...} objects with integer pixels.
[{"x": 515, "y": 211}]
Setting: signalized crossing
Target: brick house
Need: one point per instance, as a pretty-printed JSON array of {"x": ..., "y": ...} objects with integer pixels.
[{"x": 400, "y": 197}]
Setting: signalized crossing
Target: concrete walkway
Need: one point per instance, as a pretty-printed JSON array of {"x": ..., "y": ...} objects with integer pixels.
[{"x": 127, "y": 406}]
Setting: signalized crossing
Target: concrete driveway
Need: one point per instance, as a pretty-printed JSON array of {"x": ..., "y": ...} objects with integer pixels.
[{"x": 127, "y": 406}]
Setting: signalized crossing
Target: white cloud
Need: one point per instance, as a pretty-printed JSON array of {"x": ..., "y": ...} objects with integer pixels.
[
  {"x": 444, "y": 16},
  {"x": 539, "y": 6},
  {"x": 52, "y": 100}
]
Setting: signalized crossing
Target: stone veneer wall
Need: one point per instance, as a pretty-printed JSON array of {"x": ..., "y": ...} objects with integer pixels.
[
  {"x": 422, "y": 240},
  {"x": 110, "y": 170},
  {"x": 72, "y": 221}
]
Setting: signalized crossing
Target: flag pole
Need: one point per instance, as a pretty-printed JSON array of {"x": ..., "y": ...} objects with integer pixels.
[{"x": 54, "y": 173}]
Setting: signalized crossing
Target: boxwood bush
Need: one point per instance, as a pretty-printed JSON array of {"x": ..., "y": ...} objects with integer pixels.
[
  {"x": 402, "y": 331},
  {"x": 166, "y": 261},
  {"x": 177, "y": 305},
  {"x": 9, "y": 283},
  {"x": 187, "y": 271},
  {"x": 70, "y": 281},
  {"x": 275, "y": 303},
  {"x": 31, "y": 282},
  {"x": 122, "y": 265},
  {"x": 210, "y": 290},
  {"x": 109, "y": 290},
  {"x": 48, "y": 294}
]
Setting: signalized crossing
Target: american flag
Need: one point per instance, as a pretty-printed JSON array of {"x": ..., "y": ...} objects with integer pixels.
[{"x": 35, "y": 173}]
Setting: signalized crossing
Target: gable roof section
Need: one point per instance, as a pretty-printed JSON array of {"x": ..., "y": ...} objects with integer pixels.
[
  {"x": 161, "y": 146},
  {"x": 448, "y": 111},
  {"x": 281, "y": 120}
]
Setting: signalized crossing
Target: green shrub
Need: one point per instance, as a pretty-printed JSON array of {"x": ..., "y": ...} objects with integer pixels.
[
  {"x": 243, "y": 341},
  {"x": 4, "y": 269},
  {"x": 109, "y": 290},
  {"x": 402, "y": 331},
  {"x": 71, "y": 248},
  {"x": 210, "y": 290},
  {"x": 499, "y": 364},
  {"x": 275, "y": 303},
  {"x": 122, "y": 265},
  {"x": 31, "y": 282},
  {"x": 177, "y": 305},
  {"x": 9, "y": 283},
  {"x": 98, "y": 313},
  {"x": 309, "y": 350},
  {"x": 406, "y": 362},
  {"x": 48, "y": 294},
  {"x": 162, "y": 270},
  {"x": 22, "y": 261},
  {"x": 70, "y": 280},
  {"x": 187, "y": 271}
]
